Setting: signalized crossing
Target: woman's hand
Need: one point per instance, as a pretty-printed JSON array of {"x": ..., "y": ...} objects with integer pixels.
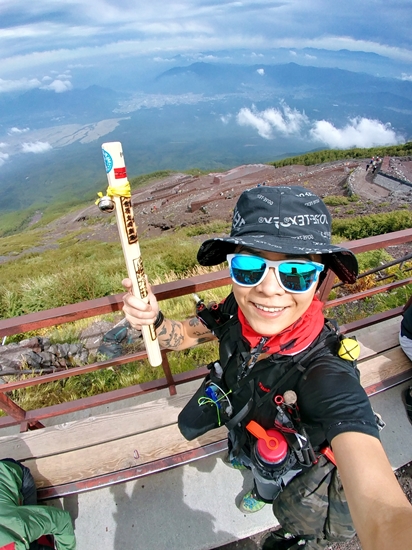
[
  {"x": 137, "y": 311},
  {"x": 172, "y": 334}
]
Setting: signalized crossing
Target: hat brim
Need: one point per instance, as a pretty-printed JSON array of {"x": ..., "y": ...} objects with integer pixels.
[{"x": 340, "y": 260}]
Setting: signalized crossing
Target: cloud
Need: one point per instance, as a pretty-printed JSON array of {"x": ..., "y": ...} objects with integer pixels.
[
  {"x": 225, "y": 118},
  {"x": 36, "y": 147},
  {"x": 261, "y": 71},
  {"x": 59, "y": 86},
  {"x": 50, "y": 32},
  {"x": 3, "y": 158},
  {"x": 248, "y": 117},
  {"x": 285, "y": 120},
  {"x": 360, "y": 132},
  {"x": 159, "y": 59},
  {"x": 18, "y": 85},
  {"x": 16, "y": 130},
  {"x": 406, "y": 76}
]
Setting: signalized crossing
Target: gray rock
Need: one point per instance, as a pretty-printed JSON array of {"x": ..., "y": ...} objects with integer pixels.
[
  {"x": 8, "y": 365},
  {"x": 48, "y": 359},
  {"x": 45, "y": 343},
  {"x": 64, "y": 349},
  {"x": 33, "y": 359},
  {"x": 53, "y": 349},
  {"x": 74, "y": 349},
  {"x": 11, "y": 355}
]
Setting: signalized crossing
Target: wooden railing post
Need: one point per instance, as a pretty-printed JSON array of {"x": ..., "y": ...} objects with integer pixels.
[
  {"x": 16, "y": 412},
  {"x": 11, "y": 408},
  {"x": 326, "y": 286},
  {"x": 168, "y": 373},
  {"x": 19, "y": 414}
]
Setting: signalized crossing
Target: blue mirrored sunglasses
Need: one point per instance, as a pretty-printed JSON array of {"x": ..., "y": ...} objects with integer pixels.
[{"x": 292, "y": 275}]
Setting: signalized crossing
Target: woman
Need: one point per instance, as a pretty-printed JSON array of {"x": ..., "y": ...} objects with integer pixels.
[{"x": 273, "y": 340}]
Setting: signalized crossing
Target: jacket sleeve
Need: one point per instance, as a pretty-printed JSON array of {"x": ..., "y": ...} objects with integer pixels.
[{"x": 45, "y": 520}]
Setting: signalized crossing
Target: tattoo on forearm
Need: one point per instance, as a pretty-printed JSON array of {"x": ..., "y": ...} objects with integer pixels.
[
  {"x": 171, "y": 334},
  {"x": 203, "y": 340},
  {"x": 195, "y": 322}
]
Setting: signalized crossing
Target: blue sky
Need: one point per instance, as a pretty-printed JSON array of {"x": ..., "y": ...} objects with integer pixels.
[{"x": 47, "y": 43}]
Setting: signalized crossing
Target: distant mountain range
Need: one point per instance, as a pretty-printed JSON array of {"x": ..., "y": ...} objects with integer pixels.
[
  {"x": 184, "y": 117},
  {"x": 288, "y": 78}
]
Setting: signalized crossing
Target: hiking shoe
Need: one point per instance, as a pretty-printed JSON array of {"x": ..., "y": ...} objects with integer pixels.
[
  {"x": 234, "y": 463},
  {"x": 250, "y": 503},
  {"x": 275, "y": 541}
]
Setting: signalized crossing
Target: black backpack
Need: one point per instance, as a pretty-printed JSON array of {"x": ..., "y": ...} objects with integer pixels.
[{"x": 215, "y": 404}]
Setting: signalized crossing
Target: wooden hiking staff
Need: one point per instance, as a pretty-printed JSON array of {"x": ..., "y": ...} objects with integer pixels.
[{"x": 118, "y": 198}]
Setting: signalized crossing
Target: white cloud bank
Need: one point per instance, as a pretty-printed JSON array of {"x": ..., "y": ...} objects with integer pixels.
[
  {"x": 358, "y": 132},
  {"x": 16, "y": 130},
  {"x": 36, "y": 147},
  {"x": 21, "y": 84},
  {"x": 59, "y": 86},
  {"x": 285, "y": 120}
]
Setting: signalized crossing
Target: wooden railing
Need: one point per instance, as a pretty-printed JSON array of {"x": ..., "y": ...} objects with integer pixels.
[{"x": 32, "y": 419}]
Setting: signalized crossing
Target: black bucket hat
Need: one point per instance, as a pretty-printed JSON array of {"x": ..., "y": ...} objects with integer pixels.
[{"x": 289, "y": 220}]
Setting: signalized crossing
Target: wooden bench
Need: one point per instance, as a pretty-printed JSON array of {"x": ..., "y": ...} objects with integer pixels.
[{"x": 130, "y": 443}]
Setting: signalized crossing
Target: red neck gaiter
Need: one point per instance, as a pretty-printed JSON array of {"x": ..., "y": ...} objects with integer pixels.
[{"x": 293, "y": 339}]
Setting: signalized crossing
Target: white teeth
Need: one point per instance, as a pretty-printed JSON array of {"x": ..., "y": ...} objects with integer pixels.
[{"x": 269, "y": 309}]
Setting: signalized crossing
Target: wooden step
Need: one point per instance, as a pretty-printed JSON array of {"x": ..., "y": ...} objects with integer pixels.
[
  {"x": 114, "y": 456},
  {"x": 382, "y": 366},
  {"x": 378, "y": 338},
  {"x": 94, "y": 430}
]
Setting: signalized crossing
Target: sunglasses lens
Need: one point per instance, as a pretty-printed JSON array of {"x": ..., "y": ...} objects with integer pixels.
[
  {"x": 294, "y": 276},
  {"x": 298, "y": 277},
  {"x": 247, "y": 270}
]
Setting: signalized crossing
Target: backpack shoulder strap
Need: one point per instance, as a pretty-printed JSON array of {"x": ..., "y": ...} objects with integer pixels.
[
  {"x": 325, "y": 344},
  {"x": 214, "y": 316}
]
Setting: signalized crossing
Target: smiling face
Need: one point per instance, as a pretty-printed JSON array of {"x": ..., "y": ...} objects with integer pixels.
[{"x": 269, "y": 308}]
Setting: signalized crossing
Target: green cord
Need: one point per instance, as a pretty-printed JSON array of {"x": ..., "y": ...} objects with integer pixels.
[{"x": 205, "y": 400}]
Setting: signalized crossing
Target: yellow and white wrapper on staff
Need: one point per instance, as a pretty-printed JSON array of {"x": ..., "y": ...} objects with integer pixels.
[{"x": 118, "y": 191}]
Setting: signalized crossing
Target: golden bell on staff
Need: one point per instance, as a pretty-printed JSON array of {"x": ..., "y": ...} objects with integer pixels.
[{"x": 106, "y": 204}]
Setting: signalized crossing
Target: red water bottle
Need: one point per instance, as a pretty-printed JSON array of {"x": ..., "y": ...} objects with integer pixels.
[{"x": 269, "y": 460}]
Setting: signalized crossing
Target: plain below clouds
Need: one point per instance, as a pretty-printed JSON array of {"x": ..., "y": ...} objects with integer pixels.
[{"x": 285, "y": 121}]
